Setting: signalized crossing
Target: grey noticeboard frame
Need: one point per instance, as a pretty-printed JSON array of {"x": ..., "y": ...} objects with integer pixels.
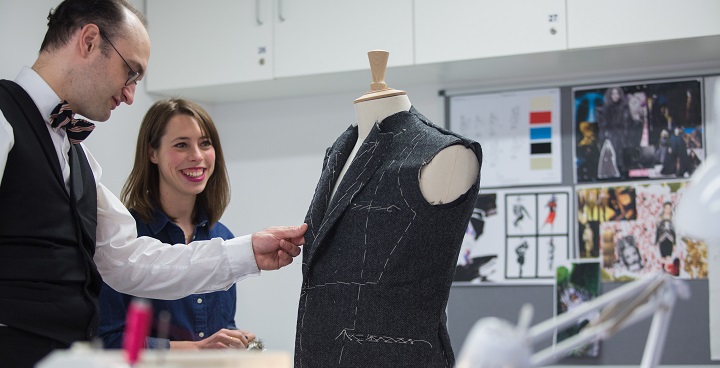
[
  {"x": 687, "y": 341},
  {"x": 688, "y": 338}
]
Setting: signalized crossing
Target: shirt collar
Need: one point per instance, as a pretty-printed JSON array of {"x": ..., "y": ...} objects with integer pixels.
[
  {"x": 161, "y": 220},
  {"x": 44, "y": 97}
]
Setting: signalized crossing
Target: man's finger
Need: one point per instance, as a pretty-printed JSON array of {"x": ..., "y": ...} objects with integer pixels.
[
  {"x": 289, "y": 248},
  {"x": 284, "y": 259},
  {"x": 300, "y": 240},
  {"x": 289, "y": 232}
]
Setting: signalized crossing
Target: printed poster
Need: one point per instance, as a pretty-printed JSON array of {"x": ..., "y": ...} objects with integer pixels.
[
  {"x": 519, "y": 132},
  {"x": 643, "y": 130},
  {"x": 577, "y": 282},
  {"x": 516, "y": 236},
  {"x": 629, "y": 228}
]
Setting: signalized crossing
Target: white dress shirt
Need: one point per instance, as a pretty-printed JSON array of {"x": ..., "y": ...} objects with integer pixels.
[{"x": 142, "y": 266}]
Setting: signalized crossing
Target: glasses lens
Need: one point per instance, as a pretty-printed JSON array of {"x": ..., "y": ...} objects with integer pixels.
[{"x": 132, "y": 77}]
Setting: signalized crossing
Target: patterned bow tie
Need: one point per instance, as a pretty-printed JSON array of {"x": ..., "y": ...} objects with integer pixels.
[{"x": 76, "y": 129}]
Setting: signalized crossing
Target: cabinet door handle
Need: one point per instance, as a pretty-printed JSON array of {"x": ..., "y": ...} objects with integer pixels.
[
  {"x": 258, "y": 16},
  {"x": 281, "y": 16}
]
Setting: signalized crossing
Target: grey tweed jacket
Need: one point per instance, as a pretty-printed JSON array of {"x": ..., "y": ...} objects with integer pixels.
[{"x": 379, "y": 260}]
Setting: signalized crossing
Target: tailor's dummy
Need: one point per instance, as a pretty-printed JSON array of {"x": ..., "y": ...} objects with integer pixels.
[
  {"x": 450, "y": 173},
  {"x": 385, "y": 227}
]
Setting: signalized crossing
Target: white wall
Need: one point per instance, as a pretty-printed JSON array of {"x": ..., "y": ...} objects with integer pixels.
[{"x": 274, "y": 151}]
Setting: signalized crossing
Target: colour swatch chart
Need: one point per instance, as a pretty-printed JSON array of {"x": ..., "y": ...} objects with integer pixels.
[{"x": 518, "y": 131}]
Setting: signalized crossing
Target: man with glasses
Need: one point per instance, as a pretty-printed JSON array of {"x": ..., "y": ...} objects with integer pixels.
[
  {"x": 132, "y": 74},
  {"x": 60, "y": 228}
]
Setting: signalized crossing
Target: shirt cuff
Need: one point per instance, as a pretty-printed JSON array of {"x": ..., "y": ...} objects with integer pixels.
[{"x": 241, "y": 257}]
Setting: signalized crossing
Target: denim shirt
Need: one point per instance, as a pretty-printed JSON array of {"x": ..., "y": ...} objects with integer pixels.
[{"x": 194, "y": 317}]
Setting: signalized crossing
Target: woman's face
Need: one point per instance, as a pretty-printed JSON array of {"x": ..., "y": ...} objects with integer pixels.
[
  {"x": 667, "y": 210},
  {"x": 592, "y": 196},
  {"x": 624, "y": 198},
  {"x": 615, "y": 95},
  {"x": 185, "y": 158},
  {"x": 636, "y": 104},
  {"x": 631, "y": 255}
]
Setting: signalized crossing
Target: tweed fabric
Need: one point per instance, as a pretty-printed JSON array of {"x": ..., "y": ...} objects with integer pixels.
[{"x": 379, "y": 260}]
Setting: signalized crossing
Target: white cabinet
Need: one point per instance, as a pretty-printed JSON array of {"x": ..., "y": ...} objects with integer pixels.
[
  {"x": 614, "y": 22},
  {"x": 451, "y": 30},
  {"x": 328, "y": 36},
  {"x": 201, "y": 43},
  {"x": 235, "y": 50}
]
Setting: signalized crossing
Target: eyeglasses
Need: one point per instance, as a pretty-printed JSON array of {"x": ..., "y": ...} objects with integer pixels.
[{"x": 132, "y": 74}]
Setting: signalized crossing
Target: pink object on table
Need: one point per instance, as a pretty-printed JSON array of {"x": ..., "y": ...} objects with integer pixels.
[{"x": 137, "y": 327}]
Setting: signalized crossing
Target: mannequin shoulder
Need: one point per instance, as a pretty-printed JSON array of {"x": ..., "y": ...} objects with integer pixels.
[{"x": 449, "y": 174}]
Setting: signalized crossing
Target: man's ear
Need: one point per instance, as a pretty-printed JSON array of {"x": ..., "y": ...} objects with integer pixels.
[{"x": 89, "y": 39}]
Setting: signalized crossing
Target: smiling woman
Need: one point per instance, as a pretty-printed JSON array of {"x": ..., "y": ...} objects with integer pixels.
[
  {"x": 177, "y": 191},
  {"x": 185, "y": 159},
  {"x": 178, "y": 152}
]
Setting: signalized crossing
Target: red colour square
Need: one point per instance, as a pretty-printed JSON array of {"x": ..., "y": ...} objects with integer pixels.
[{"x": 540, "y": 117}]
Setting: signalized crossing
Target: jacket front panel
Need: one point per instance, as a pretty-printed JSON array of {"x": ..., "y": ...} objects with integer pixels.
[{"x": 378, "y": 259}]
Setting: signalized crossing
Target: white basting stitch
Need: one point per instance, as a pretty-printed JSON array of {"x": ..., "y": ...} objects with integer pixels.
[
  {"x": 389, "y": 209},
  {"x": 360, "y": 338},
  {"x": 370, "y": 338}
]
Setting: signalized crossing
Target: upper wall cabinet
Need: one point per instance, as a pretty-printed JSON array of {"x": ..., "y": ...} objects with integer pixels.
[
  {"x": 201, "y": 43},
  {"x": 198, "y": 44},
  {"x": 614, "y": 22},
  {"x": 453, "y": 30},
  {"x": 327, "y": 36},
  {"x": 238, "y": 50}
]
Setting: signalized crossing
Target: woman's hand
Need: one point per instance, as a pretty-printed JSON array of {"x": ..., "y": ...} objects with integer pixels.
[{"x": 223, "y": 339}]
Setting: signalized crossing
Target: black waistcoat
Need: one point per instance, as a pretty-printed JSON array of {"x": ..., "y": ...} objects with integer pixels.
[
  {"x": 379, "y": 260},
  {"x": 48, "y": 280}
]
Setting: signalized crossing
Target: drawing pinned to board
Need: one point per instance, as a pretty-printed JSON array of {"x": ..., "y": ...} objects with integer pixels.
[
  {"x": 485, "y": 206},
  {"x": 520, "y": 249},
  {"x": 638, "y": 130},
  {"x": 516, "y": 236},
  {"x": 519, "y": 131},
  {"x": 547, "y": 249},
  {"x": 519, "y": 219},
  {"x": 632, "y": 246},
  {"x": 551, "y": 211}
]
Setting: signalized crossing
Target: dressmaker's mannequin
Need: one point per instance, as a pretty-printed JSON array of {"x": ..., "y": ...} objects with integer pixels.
[
  {"x": 450, "y": 173},
  {"x": 379, "y": 254}
]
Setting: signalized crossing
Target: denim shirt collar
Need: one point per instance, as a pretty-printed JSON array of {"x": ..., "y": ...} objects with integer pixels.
[{"x": 161, "y": 220}]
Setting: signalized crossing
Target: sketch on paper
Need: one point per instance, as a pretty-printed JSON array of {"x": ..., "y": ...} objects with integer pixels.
[
  {"x": 519, "y": 132},
  {"x": 516, "y": 236}
]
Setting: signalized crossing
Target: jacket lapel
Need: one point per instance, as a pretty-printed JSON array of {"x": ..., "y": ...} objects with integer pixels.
[
  {"x": 335, "y": 159},
  {"x": 366, "y": 161}
]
